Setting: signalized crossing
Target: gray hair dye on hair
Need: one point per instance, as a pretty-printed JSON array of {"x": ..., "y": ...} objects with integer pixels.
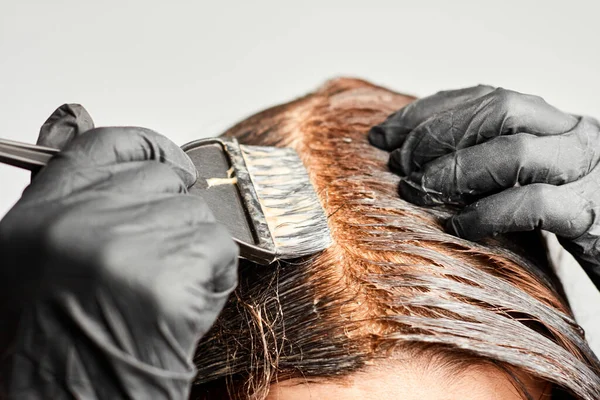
[{"x": 393, "y": 282}]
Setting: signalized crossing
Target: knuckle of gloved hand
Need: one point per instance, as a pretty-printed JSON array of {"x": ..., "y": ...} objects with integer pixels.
[
  {"x": 515, "y": 104},
  {"x": 203, "y": 276},
  {"x": 591, "y": 130},
  {"x": 506, "y": 101},
  {"x": 96, "y": 135},
  {"x": 160, "y": 177},
  {"x": 395, "y": 118},
  {"x": 196, "y": 209},
  {"x": 201, "y": 258},
  {"x": 229, "y": 250},
  {"x": 86, "y": 145},
  {"x": 219, "y": 241},
  {"x": 540, "y": 195},
  {"x": 125, "y": 265},
  {"x": 220, "y": 255},
  {"x": 520, "y": 146},
  {"x": 69, "y": 248},
  {"x": 485, "y": 88}
]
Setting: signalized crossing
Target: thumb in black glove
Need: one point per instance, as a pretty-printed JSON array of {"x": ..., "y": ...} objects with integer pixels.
[{"x": 64, "y": 125}]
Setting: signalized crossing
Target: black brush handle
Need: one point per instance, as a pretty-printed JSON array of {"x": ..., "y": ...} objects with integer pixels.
[{"x": 229, "y": 201}]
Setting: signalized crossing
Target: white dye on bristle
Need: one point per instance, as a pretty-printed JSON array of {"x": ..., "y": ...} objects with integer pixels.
[
  {"x": 291, "y": 207},
  {"x": 211, "y": 182}
]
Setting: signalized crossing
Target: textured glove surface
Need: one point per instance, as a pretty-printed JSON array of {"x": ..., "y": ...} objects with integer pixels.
[
  {"x": 513, "y": 161},
  {"x": 110, "y": 272}
]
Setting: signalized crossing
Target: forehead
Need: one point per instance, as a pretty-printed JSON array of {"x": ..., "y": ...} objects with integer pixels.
[{"x": 412, "y": 380}]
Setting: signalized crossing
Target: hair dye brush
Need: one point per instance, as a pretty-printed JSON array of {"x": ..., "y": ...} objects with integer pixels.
[{"x": 263, "y": 195}]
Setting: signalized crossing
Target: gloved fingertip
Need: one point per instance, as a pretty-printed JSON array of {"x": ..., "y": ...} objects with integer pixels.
[
  {"x": 377, "y": 137},
  {"x": 389, "y": 135},
  {"x": 395, "y": 163},
  {"x": 466, "y": 225},
  {"x": 72, "y": 113},
  {"x": 399, "y": 163},
  {"x": 414, "y": 193},
  {"x": 64, "y": 124}
]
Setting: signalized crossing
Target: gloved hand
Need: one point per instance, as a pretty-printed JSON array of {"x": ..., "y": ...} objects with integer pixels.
[
  {"x": 110, "y": 271},
  {"x": 515, "y": 161}
]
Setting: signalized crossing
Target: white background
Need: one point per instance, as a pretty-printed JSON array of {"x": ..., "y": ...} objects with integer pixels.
[{"x": 189, "y": 69}]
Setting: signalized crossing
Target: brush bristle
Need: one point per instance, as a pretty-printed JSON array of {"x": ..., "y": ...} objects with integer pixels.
[{"x": 292, "y": 209}]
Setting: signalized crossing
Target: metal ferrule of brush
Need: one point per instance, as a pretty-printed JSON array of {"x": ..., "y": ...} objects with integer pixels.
[{"x": 264, "y": 197}]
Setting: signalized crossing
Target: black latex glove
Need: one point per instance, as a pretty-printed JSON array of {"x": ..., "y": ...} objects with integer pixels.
[
  {"x": 110, "y": 271},
  {"x": 515, "y": 161}
]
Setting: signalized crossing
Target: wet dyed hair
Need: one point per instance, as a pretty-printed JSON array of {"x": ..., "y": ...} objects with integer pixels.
[{"x": 393, "y": 279}]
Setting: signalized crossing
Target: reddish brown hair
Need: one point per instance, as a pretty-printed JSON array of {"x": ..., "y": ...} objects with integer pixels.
[{"x": 392, "y": 279}]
